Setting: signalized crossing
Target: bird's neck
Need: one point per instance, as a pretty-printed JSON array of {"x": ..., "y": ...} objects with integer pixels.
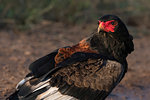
[{"x": 109, "y": 47}]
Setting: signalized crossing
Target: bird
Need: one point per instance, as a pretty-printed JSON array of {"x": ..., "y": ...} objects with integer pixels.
[{"x": 88, "y": 70}]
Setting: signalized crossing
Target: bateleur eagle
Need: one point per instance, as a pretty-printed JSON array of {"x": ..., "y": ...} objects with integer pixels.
[{"x": 88, "y": 70}]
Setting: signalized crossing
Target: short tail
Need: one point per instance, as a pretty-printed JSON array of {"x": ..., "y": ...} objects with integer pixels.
[{"x": 13, "y": 96}]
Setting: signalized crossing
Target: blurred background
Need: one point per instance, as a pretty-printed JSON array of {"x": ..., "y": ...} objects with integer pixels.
[
  {"x": 30, "y": 29},
  {"x": 25, "y": 13}
]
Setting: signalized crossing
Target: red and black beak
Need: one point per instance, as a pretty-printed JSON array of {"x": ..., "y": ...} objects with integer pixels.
[
  {"x": 101, "y": 26},
  {"x": 108, "y": 26}
]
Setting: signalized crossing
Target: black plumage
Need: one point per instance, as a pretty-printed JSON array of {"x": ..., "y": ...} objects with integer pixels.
[{"x": 86, "y": 71}]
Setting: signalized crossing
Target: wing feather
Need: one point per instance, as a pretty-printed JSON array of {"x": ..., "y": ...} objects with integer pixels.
[
  {"x": 88, "y": 80},
  {"x": 83, "y": 76},
  {"x": 43, "y": 65}
]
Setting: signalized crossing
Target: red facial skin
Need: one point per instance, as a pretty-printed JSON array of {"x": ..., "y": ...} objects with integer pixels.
[{"x": 108, "y": 26}]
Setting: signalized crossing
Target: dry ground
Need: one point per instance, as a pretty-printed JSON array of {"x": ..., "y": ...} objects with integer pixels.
[{"x": 18, "y": 50}]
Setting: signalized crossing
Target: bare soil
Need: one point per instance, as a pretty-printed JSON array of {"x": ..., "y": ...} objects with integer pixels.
[{"x": 19, "y": 49}]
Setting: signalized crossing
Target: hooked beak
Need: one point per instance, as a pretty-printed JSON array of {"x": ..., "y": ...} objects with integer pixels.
[{"x": 101, "y": 27}]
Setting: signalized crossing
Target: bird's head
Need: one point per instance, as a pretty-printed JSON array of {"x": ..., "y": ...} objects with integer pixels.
[
  {"x": 112, "y": 37},
  {"x": 112, "y": 25}
]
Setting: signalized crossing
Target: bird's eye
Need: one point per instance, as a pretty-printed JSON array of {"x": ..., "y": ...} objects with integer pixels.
[{"x": 112, "y": 23}]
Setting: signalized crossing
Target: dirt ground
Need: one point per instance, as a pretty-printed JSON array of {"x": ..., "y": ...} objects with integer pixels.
[{"x": 19, "y": 49}]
